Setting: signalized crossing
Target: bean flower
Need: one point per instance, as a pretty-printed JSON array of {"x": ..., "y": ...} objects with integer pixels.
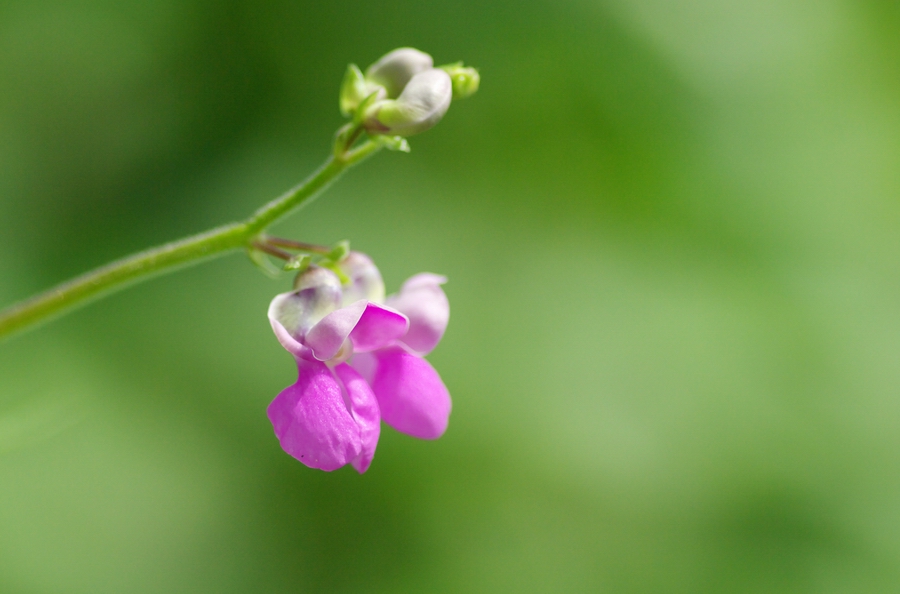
[{"x": 360, "y": 361}]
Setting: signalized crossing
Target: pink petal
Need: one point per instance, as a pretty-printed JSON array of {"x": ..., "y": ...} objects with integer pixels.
[
  {"x": 410, "y": 393},
  {"x": 367, "y": 324},
  {"x": 378, "y": 326},
  {"x": 364, "y": 409},
  {"x": 326, "y": 338},
  {"x": 311, "y": 419},
  {"x": 423, "y": 301}
]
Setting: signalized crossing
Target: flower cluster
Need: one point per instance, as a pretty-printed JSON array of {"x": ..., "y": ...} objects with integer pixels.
[
  {"x": 403, "y": 93},
  {"x": 360, "y": 361}
]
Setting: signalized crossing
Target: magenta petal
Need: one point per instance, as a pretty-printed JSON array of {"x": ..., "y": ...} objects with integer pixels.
[
  {"x": 423, "y": 301},
  {"x": 377, "y": 327},
  {"x": 311, "y": 419},
  {"x": 326, "y": 338},
  {"x": 410, "y": 393},
  {"x": 365, "y": 411}
]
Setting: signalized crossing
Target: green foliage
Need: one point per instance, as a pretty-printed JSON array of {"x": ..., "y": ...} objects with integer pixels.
[{"x": 670, "y": 231}]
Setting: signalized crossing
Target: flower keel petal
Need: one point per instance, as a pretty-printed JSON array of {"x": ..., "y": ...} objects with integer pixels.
[
  {"x": 312, "y": 422},
  {"x": 365, "y": 411}
]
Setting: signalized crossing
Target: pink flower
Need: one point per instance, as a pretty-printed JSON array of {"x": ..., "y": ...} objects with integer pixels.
[
  {"x": 410, "y": 392},
  {"x": 331, "y": 416}
]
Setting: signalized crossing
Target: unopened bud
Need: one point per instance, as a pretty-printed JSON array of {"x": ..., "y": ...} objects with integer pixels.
[
  {"x": 395, "y": 69},
  {"x": 465, "y": 79},
  {"x": 364, "y": 279},
  {"x": 423, "y": 102}
]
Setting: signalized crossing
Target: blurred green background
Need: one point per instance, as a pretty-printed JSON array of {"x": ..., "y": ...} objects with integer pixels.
[{"x": 671, "y": 235}]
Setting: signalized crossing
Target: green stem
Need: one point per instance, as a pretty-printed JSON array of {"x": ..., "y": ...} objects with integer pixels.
[{"x": 191, "y": 250}]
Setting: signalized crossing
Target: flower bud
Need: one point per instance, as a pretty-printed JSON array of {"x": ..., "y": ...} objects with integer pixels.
[
  {"x": 421, "y": 105},
  {"x": 465, "y": 79},
  {"x": 395, "y": 69},
  {"x": 364, "y": 279}
]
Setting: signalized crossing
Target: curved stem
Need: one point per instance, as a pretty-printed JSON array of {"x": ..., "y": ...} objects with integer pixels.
[
  {"x": 119, "y": 274},
  {"x": 296, "y": 245},
  {"x": 171, "y": 256},
  {"x": 297, "y": 196}
]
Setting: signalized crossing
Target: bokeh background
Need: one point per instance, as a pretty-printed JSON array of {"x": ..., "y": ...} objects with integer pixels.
[{"x": 671, "y": 232}]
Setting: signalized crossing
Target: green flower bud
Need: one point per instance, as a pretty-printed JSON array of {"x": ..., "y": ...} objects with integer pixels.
[
  {"x": 465, "y": 79},
  {"x": 355, "y": 89},
  {"x": 423, "y": 102},
  {"x": 394, "y": 70}
]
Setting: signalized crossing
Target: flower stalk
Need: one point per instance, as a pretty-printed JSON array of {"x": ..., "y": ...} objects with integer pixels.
[
  {"x": 177, "y": 254},
  {"x": 401, "y": 94}
]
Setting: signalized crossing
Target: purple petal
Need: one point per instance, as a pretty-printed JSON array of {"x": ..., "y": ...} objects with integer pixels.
[
  {"x": 326, "y": 338},
  {"x": 311, "y": 419},
  {"x": 423, "y": 301},
  {"x": 377, "y": 327},
  {"x": 364, "y": 409},
  {"x": 410, "y": 393}
]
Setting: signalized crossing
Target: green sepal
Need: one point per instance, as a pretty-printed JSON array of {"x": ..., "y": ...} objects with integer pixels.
[
  {"x": 262, "y": 262},
  {"x": 334, "y": 257},
  {"x": 353, "y": 90},
  {"x": 394, "y": 143},
  {"x": 339, "y": 251},
  {"x": 299, "y": 262},
  {"x": 360, "y": 113},
  {"x": 345, "y": 280}
]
